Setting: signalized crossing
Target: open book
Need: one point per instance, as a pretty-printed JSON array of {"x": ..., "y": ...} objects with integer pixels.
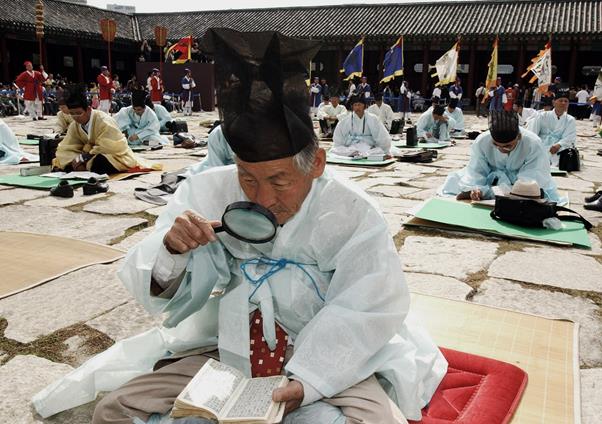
[{"x": 221, "y": 392}]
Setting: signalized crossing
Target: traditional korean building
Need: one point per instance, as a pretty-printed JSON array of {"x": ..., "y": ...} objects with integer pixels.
[{"x": 73, "y": 44}]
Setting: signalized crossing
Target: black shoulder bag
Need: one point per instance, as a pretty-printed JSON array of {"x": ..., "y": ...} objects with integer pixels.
[
  {"x": 530, "y": 213},
  {"x": 569, "y": 160}
]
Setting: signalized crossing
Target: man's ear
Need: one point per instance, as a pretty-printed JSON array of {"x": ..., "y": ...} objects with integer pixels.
[{"x": 319, "y": 163}]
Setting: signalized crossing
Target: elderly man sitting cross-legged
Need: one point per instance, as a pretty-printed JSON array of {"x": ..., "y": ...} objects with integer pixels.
[{"x": 351, "y": 356}]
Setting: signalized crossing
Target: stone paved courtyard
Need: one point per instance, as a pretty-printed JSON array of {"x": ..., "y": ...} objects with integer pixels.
[{"x": 48, "y": 330}]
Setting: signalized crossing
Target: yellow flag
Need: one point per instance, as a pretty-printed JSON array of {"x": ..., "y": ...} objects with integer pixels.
[{"x": 491, "y": 80}]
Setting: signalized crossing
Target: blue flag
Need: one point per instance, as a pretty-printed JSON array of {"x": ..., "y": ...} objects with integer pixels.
[
  {"x": 354, "y": 64},
  {"x": 393, "y": 64}
]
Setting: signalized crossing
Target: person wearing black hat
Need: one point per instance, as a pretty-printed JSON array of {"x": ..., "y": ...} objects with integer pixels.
[
  {"x": 330, "y": 278},
  {"x": 435, "y": 125},
  {"x": 360, "y": 132},
  {"x": 94, "y": 142},
  {"x": 382, "y": 110},
  {"x": 331, "y": 114},
  {"x": 454, "y": 112},
  {"x": 140, "y": 122},
  {"x": 499, "y": 157},
  {"x": 556, "y": 128},
  {"x": 188, "y": 85},
  {"x": 525, "y": 114}
]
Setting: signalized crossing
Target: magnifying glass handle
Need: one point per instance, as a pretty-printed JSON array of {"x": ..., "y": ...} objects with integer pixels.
[{"x": 219, "y": 229}]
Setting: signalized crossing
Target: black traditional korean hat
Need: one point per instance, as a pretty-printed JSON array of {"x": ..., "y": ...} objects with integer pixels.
[
  {"x": 261, "y": 91},
  {"x": 503, "y": 126}
]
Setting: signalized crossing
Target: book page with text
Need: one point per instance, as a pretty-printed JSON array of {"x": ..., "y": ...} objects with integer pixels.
[{"x": 254, "y": 402}]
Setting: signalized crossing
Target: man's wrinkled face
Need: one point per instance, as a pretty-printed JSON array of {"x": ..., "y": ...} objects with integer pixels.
[
  {"x": 139, "y": 110},
  {"x": 561, "y": 105},
  {"x": 277, "y": 184}
]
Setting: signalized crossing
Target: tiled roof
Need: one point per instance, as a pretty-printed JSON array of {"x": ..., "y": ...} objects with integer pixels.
[
  {"x": 378, "y": 22},
  {"x": 63, "y": 18},
  {"x": 419, "y": 20}
]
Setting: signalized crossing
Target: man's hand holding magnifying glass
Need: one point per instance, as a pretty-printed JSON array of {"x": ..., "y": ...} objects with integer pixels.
[{"x": 189, "y": 231}]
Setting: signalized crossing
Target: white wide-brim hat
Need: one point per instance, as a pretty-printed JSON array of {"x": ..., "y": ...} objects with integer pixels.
[{"x": 527, "y": 189}]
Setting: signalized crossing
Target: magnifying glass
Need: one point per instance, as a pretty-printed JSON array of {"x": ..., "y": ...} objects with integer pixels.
[{"x": 248, "y": 222}]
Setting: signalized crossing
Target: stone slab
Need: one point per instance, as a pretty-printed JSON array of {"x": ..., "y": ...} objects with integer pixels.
[
  {"x": 573, "y": 183},
  {"x": 396, "y": 206},
  {"x": 549, "y": 267},
  {"x": 394, "y": 222},
  {"x": 125, "y": 321},
  {"x": 437, "y": 285},
  {"x": 17, "y": 195},
  {"x": 130, "y": 241},
  {"x": 22, "y": 377},
  {"x": 508, "y": 295},
  {"x": 70, "y": 299},
  {"x": 78, "y": 198},
  {"x": 392, "y": 191},
  {"x": 423, "y": 194},
  {"x": 591, "y": 396},
  {"x": 61, "y": 222},
  {"x": 446, "y": 256},
  {"x": 118, "y": 204}
]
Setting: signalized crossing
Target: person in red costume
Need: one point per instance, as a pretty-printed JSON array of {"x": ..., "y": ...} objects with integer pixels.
[
  {"x": 105, "y": 84},
  {"x": 156, "y": 87},
  {"x": 32, "y": 81}
]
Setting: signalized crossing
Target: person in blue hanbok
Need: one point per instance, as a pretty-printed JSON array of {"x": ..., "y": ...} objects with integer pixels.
[
  {"x": 355, "y": 354},
  {"x": 454, "y": 112},
  {"x": 499, "y": 157},
  {"x": 140, "y": 123},
  {"x": 556, "y": 128},
  {"x": 10, "y": 151},
  {"x": 163, "y": 115},
  {"x": 188, "y": 85},
  {"x": 219, "y": 153},
  {"x": 360, "y": 132},
  {"x": 434, "y": 125},
  {"x": 315, "y": 92},
  {"x": 497, "y": 96}
]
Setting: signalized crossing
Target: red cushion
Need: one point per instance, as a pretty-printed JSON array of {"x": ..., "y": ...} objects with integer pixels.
[{"x": 475, "y": 390}]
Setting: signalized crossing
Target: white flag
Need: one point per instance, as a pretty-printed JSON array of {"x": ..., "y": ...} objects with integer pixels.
[
  {"x": 598, "y": 86},
  {"x": 447, "y": 66},
  {"x": 541, "y": 67}
]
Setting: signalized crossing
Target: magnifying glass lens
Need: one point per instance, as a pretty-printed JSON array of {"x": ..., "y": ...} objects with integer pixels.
[{"x": 249, "y": 222}]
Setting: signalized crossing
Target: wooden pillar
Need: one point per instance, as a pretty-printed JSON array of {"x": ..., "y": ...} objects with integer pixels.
[
  {"x": 472, "y": 72},
  {"x": 79, "y": 58},
  {"x": 521, "y": 67},
  {"x": 573, "y": 63},
  {"x": 340, "y": 76},
  {"x": 44, "y": 60},
  {"x": 5, "y": 58},
  {"x": 426, "y": 48}
]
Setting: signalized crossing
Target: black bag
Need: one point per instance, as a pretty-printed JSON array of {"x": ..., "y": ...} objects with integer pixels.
[
  {"x": 47, "y": 149},
  {"x": 530, "y": 213},
  {"x": 397, "y": 126},
  {"x": 569, "y": 160},
  {"x": 411, "y": 139},
  {"x": 177, "y": 126},
  {"x": 421, "y": 156}
]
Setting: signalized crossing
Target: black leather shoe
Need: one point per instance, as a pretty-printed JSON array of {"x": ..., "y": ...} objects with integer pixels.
[
  {"x": 93, "y": 186},
  {"x": 594, "y": 206},
  {"x": 63, "y": 189},
  {"x": 593, "y": 198}
]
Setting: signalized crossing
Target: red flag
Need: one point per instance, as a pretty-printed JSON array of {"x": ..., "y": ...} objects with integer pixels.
[{"x": 181, "y": 50}]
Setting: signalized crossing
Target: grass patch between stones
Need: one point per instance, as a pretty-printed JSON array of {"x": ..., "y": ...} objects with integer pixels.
[
  {"x": 150, "y": 221},
  {"x": 52, "y": 346}
]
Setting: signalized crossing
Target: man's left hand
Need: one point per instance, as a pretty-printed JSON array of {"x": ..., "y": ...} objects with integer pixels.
[
  {"x": 292, "y": 394},
  {"x": 133, "y": 137},
  {"x": 554, "y": 149}
]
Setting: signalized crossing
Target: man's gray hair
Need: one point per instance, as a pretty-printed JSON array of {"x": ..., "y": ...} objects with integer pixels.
[{"x": 304, "y": 160}]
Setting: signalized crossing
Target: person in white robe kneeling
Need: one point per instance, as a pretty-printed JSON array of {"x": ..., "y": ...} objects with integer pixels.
[
  {"x": 499, "y": 157},
  {"x": 360, "y": 133},
  {"x": 353, "y": 355},
  {"x": 556, "y": 128},
  {"x": 382, "y": 110},
  {"x": 434, "y": 125},
  {"x": 454, "y": 112},
  {"x": 330, "y": 115},
  {"x": 525, "y": 114},
  {"x": 140, "y": 122}
]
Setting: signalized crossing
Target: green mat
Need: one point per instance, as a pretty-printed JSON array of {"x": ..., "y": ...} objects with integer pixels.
[
  {"x": 358, "y": 162},
  {"x": 463, "y": 216},
  {"x": 401, "y": 145},
  {"x": 28, "y": 142},
  {"x": 35, "y": 181}
]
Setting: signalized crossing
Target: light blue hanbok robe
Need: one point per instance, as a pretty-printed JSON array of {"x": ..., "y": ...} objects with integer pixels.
[
  {"x": 363, "y": 134},
  {"x": 426, "y": 123},
  {"x": 163, "y": 116},
  {"x": 553, "y": 130},
  {"x": 345, "y": 312},
  {"x": 527, "y": 161},
  {"x": 458, "y": 116},
  {"x": 9, "y": 145},
  {"x": 219, "y": 153},
  {"x": 146, "y": 127}
]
